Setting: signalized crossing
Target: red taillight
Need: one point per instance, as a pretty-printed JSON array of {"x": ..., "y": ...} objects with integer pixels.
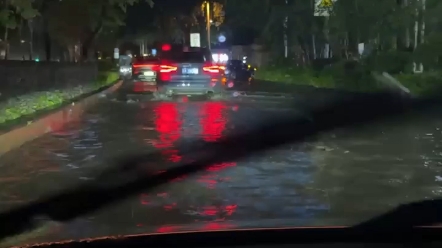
[
  {"x": 143, "y": 65},
  {"x": 165, "y": 71},
  {"x": 212, "y": 69},
  {"x": 167, "y": 68},
  {"x": 166, "y": 47}
]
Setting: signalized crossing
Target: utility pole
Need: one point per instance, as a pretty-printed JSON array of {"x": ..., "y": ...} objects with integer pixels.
[
  {"x": 208, "y": 22},
  {"x": 285, "y": 25},
  {"x": 419, "y": 25}
]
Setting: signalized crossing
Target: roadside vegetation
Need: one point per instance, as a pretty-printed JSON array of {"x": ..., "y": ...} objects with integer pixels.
[
  {"x": 351, "y": 76},
  {"x": 341, "y": 46},
  {"x": 28, "y": 104}
]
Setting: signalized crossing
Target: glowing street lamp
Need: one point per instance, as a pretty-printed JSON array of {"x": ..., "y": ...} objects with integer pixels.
[{"x": 208, "y": 21}]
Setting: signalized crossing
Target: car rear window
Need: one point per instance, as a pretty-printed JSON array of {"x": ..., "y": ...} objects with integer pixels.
[
  {"x": 192, "y": 57},
  {"x": 146, "y": 60}
]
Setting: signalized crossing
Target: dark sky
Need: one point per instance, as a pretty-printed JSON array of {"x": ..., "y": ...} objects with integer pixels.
[{"x": 141, "y": 16}]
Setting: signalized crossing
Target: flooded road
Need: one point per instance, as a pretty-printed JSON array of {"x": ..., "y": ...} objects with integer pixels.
[{"x": 338, "y": 178}]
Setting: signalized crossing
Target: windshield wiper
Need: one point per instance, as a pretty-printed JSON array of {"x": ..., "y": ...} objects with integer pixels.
[{"x": 350, "y": 111}]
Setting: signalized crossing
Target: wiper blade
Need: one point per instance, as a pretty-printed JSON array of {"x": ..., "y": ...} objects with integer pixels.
[{"x": 88, "y": 198}]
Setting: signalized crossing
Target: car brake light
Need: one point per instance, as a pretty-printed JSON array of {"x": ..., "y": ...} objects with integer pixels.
[
  {"x": 143, "y": 65},
  {"x": 166, "y": 47},
  {"x": 212, "y": 68},
  {"x": 165, "y": 71},
  {"x": 167, "y": 68}
]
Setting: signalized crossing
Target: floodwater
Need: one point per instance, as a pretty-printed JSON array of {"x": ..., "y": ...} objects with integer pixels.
[{"x": 338, "y": 178}]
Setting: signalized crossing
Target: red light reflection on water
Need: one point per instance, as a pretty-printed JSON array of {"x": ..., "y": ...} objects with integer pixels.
[
  {"x": 167, "y": 124},
  {"x": 63, "y": 129},
  {"x": 144, "y": 199},
  {"x": 222, "y": 166},
  {"x": 213, "y": 122},
  {"x": 168, "y": 229},
  {"x": 212, "y": 179},
  {"x": 218, "y": 211},
  {"x": 170, "y": 206},
  {"x": 212, "y": 226},
  {"x": 217, "y": 226}
]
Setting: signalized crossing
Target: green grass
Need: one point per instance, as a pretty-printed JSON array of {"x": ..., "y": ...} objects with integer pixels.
[
  {"x": 421, "y": 84},
  {"x": 333, "y": 77},
  {"x": 293, "y": 75},
  {"x": 28, "y": 104}
]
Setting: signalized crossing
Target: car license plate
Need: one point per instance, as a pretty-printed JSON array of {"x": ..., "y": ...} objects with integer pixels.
[
  {"x": 190, "y": 70},
  {"x": 149, "y": 73}
]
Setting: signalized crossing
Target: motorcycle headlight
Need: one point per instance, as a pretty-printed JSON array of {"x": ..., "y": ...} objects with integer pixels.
[{"x": 125, "y": 70}]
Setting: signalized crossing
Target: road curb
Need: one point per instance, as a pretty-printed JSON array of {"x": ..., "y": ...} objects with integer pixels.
[
  {"x": 267, "y": 94},
  {"x": 53, "y": 121}
]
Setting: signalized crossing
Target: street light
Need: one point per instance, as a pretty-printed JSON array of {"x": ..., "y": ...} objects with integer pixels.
[{"x": 208, "y": 22}]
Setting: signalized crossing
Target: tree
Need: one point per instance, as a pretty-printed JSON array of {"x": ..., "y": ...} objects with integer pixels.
[
  {"x": 81, "y": 21},
  {"x": 217, "y": 18},
  {"x": 402, "y": 28},
  {"x": 253, "y": 14},
  {"x": 11, "y": 13}
]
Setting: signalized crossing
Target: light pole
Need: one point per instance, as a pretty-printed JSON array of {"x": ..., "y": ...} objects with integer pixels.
[{"x": 208, "y": 22}]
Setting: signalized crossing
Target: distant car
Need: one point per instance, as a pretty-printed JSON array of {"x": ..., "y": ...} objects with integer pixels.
[
  {"x": 125, "y": 66},
  {"x": 239, "y": 72},
  {"x": 189, "y": 71},
  {"x": 143, "y": 77}
]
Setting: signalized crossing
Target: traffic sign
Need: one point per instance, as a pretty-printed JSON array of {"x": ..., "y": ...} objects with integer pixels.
[
  {"x": 324, "y": 7},
  {"x": 195, "y": 40},
  {"x": 116, "y": 53},
  {"x": 326, "y": 3}
]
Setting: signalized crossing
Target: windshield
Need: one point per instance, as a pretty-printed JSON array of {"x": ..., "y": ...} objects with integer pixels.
[
  {"x": 69, "y": 113},
  {"x": 145, "y": 60}
]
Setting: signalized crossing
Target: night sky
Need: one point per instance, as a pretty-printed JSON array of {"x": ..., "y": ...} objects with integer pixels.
[{"x": 141, "y": 16}]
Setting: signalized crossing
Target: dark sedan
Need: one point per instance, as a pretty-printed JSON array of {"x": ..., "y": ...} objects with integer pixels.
[{"x": 143, "y": 78}]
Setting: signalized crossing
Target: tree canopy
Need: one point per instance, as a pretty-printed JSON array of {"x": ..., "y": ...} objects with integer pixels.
[
  {"x": 69, "y": 22},
  {"x": 384, "y": 25}
]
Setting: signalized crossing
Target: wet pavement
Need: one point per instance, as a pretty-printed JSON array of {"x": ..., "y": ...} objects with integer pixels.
[{"x": 338, "y": 178}]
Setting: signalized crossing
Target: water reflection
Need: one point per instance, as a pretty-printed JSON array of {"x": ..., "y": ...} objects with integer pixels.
[
  {"x": 171, "y": 121},
  {"x": 168, "y": 125},
  {"x": 339, "y": 178},
  {"x": 213, "y": 121},
  {"x": 270, "y": 186}
]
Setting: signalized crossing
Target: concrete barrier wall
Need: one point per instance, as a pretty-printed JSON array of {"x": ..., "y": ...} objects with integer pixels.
[{"x": 22, "y": 77}]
